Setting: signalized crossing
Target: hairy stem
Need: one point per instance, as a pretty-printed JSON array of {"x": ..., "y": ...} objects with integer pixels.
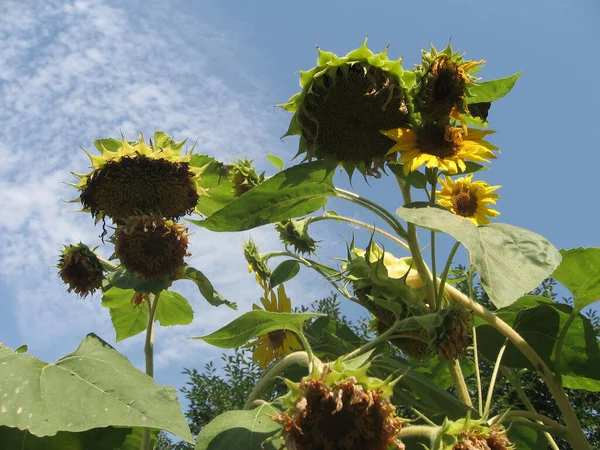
[
  {"x": 576, "y": 436},
  {"x": 459, "y": 382},
  {"x": 490, "y": 394},
  {"x": 269, "y": 376},
  {"x": 455, "y": 248}
]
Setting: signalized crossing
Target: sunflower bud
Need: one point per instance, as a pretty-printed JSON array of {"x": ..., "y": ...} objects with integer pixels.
[
  {"x": 80, "y": 269},
  {"x": 344, "y": 103},
  {"x": 340, "y": 407},
  {"x": 150, "y": 247},
  {"x": 132, "y": 178},
  {"x": 244, "y": 177},
  {"x": 294, "y": 232},
  {"x": 256, "y": 263}
]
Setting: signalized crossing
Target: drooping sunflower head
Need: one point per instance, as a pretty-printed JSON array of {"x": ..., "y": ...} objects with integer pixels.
[
  {"x": 340, "y": 408},
  {"x": 343, "y": 103},
  {"x": 471, "y": 434},
  {"x": 443, "y": 79},
  {"x": 80, "y": 269},
  {"x": 278, "y": 343},
  {"x": 244, "y": 177},
  {"x": 440, "y": 146},
  {"x": 294, "y": 232},
  {"x": 468, "y": 198},
  {"x": 133, "y": 178},
  {"x": 452, "y": 337},
  {"x": 153, "y": 248},
  {"x": 413, "y": 343}
]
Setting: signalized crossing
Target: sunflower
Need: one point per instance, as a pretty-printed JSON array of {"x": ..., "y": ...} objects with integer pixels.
[
  {"x": 278, "y": 343},
  {"x": 343, "y": 103},
  {"x": 80, "y": 269},
  {"x": 469, "y": 199},
  {"x": 443, "y": 85},
  {"x": 133, "y": 178},
  {"x": 444, "y": 147}
]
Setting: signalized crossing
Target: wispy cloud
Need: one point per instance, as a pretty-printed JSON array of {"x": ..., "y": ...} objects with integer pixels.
[{"x": 74, "y": 72}]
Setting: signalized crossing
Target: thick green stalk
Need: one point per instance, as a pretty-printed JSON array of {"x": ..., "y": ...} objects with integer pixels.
[
  {"x": 151, "y": 302},
  {"x": 269, "y": 376},
  {"x": 559, "y": 345},
  {"x": 576, "y": 436}
]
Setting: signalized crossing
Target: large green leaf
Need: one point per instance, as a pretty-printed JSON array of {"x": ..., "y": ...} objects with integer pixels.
[
  {"x": 217, "y": 181},
  {"x": 511, "y": 261},
  {"x": 579, "y": 272},
  {"x": 129, "y": 319},
  {"x": 539, "y": 321},
  {"x": 284, "y": 272},
  {"x": 492, "y": 90},
  {"x": 295, "y": 192},
  {"x": 206, "y": 288},
  {"x": 122, "y": 279},
  {"x": 93, "y": 387},
  {"x": 253, "y": 324},
  {"x": 96, "y": 439},
  {"x": 240, "y": 430}
]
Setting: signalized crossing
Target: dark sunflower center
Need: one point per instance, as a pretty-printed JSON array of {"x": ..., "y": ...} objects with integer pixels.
[
  {"x": 440, "y": 141},
  {"x": 341, "y": 117},
  {"x": 276, "y": 338},
  {"x": 140, "y": 185},
  {"x": 465, "y": 203},
  {"x": 444, "y": 87}
]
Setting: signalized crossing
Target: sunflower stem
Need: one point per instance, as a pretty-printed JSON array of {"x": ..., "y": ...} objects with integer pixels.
[
  {"x": 559, "y": 345},
  {"x": 151, "y": 302},
  {"x": 501, "y": 418},
  {"x": 374, "y": 208},
  {"x": 372, "y": 343},
  {"x": 437, "y": 299},
  {"x": 413, "y": 243},
  {"x": 419, "y": 431},
  {"x": 576, "y": 436},
  {"x": 459, "y": 382},
  {"x": 490, "y": 393},
  {"x": 475, "y": 349},
  {"x": 364, "y": 225},
  {"x": 446, "y": 271},
  {"x": 301, "y": 358}
]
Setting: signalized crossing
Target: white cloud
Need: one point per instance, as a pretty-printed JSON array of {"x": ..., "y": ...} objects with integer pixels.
[{"x": 77, "y": 71}]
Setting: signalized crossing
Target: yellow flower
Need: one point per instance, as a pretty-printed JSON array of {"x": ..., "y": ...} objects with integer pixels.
[
  {"x": 468, "y": 198},
  {"x": 444, "y": 147},
  {"x": 278, "y": 343}
]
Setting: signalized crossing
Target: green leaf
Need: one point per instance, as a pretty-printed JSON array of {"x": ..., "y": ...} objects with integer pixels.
[
  {"x": 579, "y": 272},
  {"x": 127, "y": 318},
  {"x": 134, "y": 440},
  {"x": 95, "y": 439},
  {"x": 109, "y": 144},
  {"x": 206, "y": 288},
  {"x": 285, "y": 272},
  {"x": 122, "y": 279},
  {"x": 526, "y": 438},
  {"x": 511, "y": 261},
  {"x": 254, "y": 324},
  {"x": 173, "y": 309},
  {"x": 415, "y": 178},
  {"x": 539, "y": 321},
  {"x": 21, "y": 349},
  {"x": 295, "y": 192},
  {"x": 276, "y": 161},
  {"x": 492, "y": 90},
  {"x": 216, "y": 180},
  {"x": 240, "y": 430},
  {"x": 471, "y": 167},
  {"x": 93, "y": 387}
]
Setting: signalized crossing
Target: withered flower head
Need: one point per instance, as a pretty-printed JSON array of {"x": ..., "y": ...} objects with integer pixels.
[
  {"x": 344, "y": 103},
  {"x": 80, "y": 269},
  {"x": 133, "y": 178},
  {"x": 151, "y": 247},
  {"x": 334, "y": 410},
  {"x": 455, "y": 333},
  {"x": 471, "y": 434},
  {"x": 256, "y": 263}
]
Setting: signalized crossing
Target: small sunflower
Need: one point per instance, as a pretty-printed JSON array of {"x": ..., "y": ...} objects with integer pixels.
[
  {"x": 244, "y": 177},
  {"x": 257, "y": 264},
  {"x": 444, "y": 147},
  {"x": 294, "y": 232},
  {"x": 152, "y": 248},
  {"x": 343, "y": 103},
  {"x": 278, "y": 343},
  {"x": 132, "y": 178},
  {"x": 444, "y": 79},
  {"x": 471, "y": 434},
  {"x": 469, "y": 199},
  {"x": 80, "y": 269},
  {"x": 338, "y": 408}
]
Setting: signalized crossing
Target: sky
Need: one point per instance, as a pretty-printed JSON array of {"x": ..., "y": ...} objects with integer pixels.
[{"x": 212, "y": 71}]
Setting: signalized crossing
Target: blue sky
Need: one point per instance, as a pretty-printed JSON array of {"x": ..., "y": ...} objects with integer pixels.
[{"x": 211, "y": 71}]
